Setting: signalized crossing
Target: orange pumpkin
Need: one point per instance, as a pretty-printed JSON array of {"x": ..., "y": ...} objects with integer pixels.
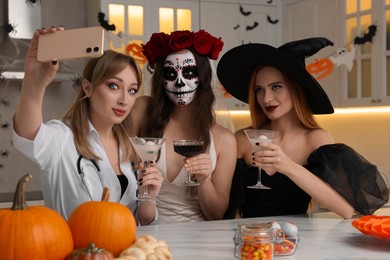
[
  {"x": 90, "y": 253},
  {"x": 35, "y": 232},
  {"x": 109, "y": 225}
]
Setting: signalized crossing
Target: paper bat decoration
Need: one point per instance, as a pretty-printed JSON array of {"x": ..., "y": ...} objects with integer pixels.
[
  {"x": 103, "y": 23},
  {"x": 243, "y": 12},
  {"x": 367, "y": 37},
  {"x": 344, "y": 57},
  {"x": 269, "y": 19},
  {"x": 248, "y": 27}
]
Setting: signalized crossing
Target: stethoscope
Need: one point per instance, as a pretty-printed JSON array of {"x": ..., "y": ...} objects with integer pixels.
[
  {"x": 82, "y": 175},
  {"x": 97, "y": 170}
]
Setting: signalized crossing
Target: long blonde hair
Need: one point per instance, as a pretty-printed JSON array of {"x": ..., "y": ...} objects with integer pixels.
[
  {"x": 97, "y": 71},
  {"x": 299, "y": 100}
]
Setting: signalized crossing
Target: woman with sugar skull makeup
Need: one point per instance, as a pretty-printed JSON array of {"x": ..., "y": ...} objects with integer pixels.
[{"x": 181, "y": 107}]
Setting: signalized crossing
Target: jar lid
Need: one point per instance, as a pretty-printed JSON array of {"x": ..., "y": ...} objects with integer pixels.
[{"x": 255, "y": 228}]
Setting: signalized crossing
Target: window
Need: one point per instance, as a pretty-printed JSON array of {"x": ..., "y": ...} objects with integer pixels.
[
  {"x": 358, "y": 19},
  {"x": 168, "y": 17},
  {"x": 369, "y": 79}
]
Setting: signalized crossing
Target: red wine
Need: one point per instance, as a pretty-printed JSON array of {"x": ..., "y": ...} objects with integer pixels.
[{"x": 188, "y": 150}]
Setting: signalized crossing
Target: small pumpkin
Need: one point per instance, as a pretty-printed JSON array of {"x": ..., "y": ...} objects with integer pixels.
[
  {"x": 108, "y": 224},
  {"x": 34, "y": 232},
  {"x": 90, "y": 253}
]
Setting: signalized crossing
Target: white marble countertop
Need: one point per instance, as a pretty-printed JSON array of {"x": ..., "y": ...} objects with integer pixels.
[{"x": 322, "y": 236}]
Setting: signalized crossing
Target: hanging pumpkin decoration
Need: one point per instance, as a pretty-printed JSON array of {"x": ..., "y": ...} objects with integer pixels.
[
  {"x": 135, "y": 50},
  {"x": 91, "y": 252},
  {"x": 320, "y": 68},
  {"x": 109, "y": 225},
  {"x": 34, "y": 232}
]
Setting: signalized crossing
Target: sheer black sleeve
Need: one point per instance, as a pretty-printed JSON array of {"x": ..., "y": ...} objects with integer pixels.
[{"x": 351, "y": 175}]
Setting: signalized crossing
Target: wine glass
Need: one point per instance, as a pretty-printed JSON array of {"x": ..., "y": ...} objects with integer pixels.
[
  {"x": 188, "y": 148},
  {"x": 147, "y": 149},
  {"x": 256, "y": 136}
]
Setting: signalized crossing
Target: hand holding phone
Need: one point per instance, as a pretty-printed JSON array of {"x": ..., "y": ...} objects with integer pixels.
[{"x": 71, "y": 44}]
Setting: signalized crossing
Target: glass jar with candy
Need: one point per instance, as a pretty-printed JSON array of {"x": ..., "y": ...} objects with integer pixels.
[{"x": 254, "y": 241}]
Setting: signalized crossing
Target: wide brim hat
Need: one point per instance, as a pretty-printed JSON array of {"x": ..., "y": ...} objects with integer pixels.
[{"x": 236, "y": 67}]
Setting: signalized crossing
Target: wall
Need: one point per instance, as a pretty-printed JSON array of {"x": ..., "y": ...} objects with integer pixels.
[
  {"x": 13, "y": 165},
  {"x": 368, "y": 134}
]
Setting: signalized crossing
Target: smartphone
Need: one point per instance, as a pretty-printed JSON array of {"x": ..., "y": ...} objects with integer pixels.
[{"x": 71, "y": 44}]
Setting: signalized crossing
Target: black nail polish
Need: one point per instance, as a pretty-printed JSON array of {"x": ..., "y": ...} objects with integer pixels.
[
  {"x": 54, "y": 62},
  {"x": 253, "y": 153},
  {"x": 253, "y": 158},
  {"x": 140, "y": 180},
  {"x": 254, "y": 163},
  {"x": 257, "y": 143},
  {"x": 140, "y": 184},
  {"x": 143, "y": 171}
]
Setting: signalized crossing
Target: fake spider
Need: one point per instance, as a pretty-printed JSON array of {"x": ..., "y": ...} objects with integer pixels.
[
  {"x": 4, "y": 153},
  {"x": 10, "y": 28},
  {"x": 5, "y": 125},
  {"x": 4, "y": 102},
  {"x": 76, "y": 81}
]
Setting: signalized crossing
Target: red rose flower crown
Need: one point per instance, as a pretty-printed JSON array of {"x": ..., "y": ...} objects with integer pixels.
[{"x": 161, "y": 44}]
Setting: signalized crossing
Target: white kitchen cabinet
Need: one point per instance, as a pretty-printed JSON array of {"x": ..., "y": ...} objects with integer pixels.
[
  {"x": 367, "y": 84},
  {"x": 227, "y": 19},
  {"x": 315, "y": 18}
]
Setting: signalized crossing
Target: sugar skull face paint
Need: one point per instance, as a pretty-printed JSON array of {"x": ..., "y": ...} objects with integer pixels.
[{"x": 181, "y": 77}]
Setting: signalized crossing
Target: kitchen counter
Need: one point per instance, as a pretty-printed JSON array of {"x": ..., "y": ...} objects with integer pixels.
[{"x": 322, "y": 236}]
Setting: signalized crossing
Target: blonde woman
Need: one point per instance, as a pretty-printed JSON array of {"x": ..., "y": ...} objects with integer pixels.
[{"x": 89, "y": 148}]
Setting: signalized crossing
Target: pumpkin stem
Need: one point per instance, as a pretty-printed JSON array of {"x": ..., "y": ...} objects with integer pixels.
[
  {"x": 106, "y": 194},
  {"x": 20, "y": 197},
  {"x": 92, "y": 248}
]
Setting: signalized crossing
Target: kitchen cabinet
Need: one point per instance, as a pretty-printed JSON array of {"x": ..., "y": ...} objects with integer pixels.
[
  {"x": 137, "y": 20},
  {"x": 368, "y": 82},
  {"x": 315, "y": 18},
  {"x": 240, "y": 22},
  {"x": 235, "y": 21}
]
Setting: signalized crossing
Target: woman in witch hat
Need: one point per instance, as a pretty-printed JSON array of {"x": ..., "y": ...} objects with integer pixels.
[{"x": 303, "y": 162}]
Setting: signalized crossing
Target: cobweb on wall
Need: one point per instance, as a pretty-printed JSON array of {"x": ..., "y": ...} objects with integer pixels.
[{"x": 58, "y": 97}]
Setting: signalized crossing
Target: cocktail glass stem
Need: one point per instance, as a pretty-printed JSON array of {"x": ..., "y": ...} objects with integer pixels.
[
  {"x": 259, "y": 185},
  {"x": 145, "y": 195},
  {"x": 189, "y": 181}
]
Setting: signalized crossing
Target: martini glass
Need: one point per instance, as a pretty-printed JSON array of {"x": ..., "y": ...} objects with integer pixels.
[
  {"x": 257, "y": 136},
  {"x": 147, "y": 149},
  {"x": 188, "y": 148}
]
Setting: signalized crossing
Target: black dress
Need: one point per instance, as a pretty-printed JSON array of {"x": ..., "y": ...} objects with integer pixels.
[{"x": 349, "y": 173}]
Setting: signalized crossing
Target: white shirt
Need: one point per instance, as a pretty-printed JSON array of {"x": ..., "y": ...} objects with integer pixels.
[{"x": 54, "y": 152}]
